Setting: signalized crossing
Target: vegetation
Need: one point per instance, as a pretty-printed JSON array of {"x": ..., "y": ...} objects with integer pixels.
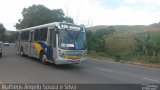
[
  {"x": 6, "y": 35},
  {"x": 96, "y": 40},
  {"x": 148, "y": 44},
  {"x": 2, "y": 30},
  {"x": 39, "y": 14},
  {"x": 10, "y": 36},
  {"x": 127, "y": 43}
]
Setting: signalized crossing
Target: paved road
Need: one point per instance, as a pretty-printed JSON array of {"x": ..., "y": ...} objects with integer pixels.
[{"x": 17, "y": 69}]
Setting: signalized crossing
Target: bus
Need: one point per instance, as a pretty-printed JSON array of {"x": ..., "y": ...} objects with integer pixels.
[{"x": 56, "y": 42}]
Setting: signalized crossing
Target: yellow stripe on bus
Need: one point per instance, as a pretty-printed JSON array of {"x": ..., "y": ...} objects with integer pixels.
[{"x": 38, "y": 47}]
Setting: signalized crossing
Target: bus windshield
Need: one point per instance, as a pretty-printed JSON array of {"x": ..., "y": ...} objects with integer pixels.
[{"x": 72, "y": 39}]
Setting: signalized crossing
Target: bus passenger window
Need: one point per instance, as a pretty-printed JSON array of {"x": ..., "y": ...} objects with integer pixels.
[
  {"x": 43, "y": 34},
  {"x": 36, "y": 35},
  {"x": 25, "y": 36}
]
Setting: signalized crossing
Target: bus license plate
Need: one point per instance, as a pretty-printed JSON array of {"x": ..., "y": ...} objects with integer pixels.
[{"x": 74, "y": 60}]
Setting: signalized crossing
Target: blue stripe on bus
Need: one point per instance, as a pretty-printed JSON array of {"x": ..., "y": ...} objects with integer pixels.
[{"x": 49, "y": 52}]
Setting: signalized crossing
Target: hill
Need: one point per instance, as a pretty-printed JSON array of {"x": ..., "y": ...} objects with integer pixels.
[{"x": 120, "y": 44}]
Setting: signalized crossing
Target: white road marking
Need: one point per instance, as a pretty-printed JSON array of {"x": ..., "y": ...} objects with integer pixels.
[
  {"x": 102, "y": 69},
  {"x": 148, "y": 79}
]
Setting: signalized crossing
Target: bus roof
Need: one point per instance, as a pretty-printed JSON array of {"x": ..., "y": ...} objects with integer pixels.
[{"x": 47, "y": 25}]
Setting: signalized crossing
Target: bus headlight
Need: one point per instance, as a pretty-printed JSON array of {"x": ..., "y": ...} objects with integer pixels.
[
  {"x": 61, "y": 53},
  {"x": 85, "y": 54}
]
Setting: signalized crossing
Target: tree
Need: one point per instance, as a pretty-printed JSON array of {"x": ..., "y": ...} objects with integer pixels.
[
  {"x": 90, "y": 40},
  {"x": 39, "y": 14},
  {"x": 148, "y": 44},
  {"x": 2, "y": 30},
  {"x": 10, "y": 36},
  {"x": 68, "y": 19},
  {"x": 96, "y": 40}
]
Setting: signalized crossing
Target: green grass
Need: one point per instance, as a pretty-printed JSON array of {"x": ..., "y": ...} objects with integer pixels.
[{"x": 119, "y": 28}]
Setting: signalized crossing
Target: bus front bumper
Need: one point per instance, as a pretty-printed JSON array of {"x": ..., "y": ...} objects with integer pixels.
[{"x": 70, "y": 61}]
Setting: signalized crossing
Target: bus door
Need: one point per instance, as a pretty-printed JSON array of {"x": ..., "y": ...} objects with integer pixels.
[
  {"x": 53, "y": 42},
  {"x": 30, "y": 49}
]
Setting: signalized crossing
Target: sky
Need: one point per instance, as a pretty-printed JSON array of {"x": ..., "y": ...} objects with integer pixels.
[{"x": 88, "y": 12}]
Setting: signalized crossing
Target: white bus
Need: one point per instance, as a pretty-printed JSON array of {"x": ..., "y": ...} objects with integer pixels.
[{"x": 57, "y": 42}]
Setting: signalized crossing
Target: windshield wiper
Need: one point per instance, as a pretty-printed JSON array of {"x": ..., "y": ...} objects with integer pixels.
[
  {"x": 74, "y": 39},
  {"x": 70, "y": 35}
]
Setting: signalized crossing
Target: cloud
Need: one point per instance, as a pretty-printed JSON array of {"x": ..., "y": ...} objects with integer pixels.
[
  {"x": 11, "y": 10},
  {"x": 128, "y": 12},
  {"x": 89, "y": 12},
  {"x": 125, "y": 16}
]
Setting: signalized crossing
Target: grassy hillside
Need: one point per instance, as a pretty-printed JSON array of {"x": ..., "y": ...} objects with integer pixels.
[
  {"x": 120, "y": 44},
  {"x": 122, "y": 37},
  {"x": 119, "y": 27}
]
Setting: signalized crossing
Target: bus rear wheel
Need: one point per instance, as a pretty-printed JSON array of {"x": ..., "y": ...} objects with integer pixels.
[
  {"x": 22, "y": 52},
  {"x": 43, "y": 58},
  {"x": 0, "y": 54}
]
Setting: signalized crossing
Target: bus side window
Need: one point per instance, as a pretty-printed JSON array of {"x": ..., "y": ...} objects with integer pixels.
[
  {"x": 19, "y": 37},
  {"x": 31, "y": 36},
  {"x": 17, "y": 34},
  {"x": 25, "y": 35},
  {"x": 43, "y": 34},
  {"x": 36, "y": 35}
]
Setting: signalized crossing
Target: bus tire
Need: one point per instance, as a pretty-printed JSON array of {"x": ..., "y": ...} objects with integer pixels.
[
  {"x": 22, "y": 52},
  {"x": 0, "y": 54},
  {"x": 43, "y": 58}
]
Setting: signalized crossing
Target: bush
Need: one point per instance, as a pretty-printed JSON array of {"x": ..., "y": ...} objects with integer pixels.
[
  {"x": 117, "y": 58},
  {"x": 96, "y": 40},
  {"x": 149, "y": 45},
  {"x": 101, "y": 54}
]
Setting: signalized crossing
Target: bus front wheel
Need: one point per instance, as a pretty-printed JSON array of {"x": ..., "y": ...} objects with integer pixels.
[{"x": 43, "y": 58}]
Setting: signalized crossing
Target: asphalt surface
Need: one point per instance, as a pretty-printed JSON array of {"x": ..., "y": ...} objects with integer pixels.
[{"x": 17, "y": 69}]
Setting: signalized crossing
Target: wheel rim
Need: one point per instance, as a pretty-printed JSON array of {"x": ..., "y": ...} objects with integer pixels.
[
  {"x": 21, "y": 52},
  {"x": 44, "y": 58}
]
